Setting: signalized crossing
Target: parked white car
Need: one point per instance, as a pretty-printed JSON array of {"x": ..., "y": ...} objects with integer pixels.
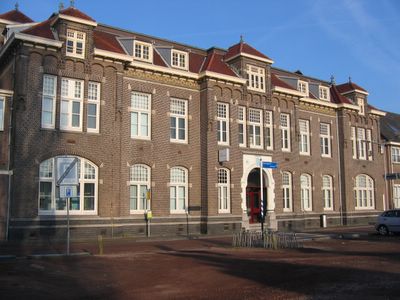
[{"x": 388, "y": 221}]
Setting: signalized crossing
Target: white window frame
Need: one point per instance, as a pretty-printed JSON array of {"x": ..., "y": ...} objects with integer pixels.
[
  {"x": 325, "y": 140},
  {"x": 287, "y": 193},
  {"x": 255, "y": 78},
  {"x": 140, "y": 55},
  {"x": 181, "y": 61},
  {"x": 361, "y": 105},
  {"x": 269, "y": 130},
  {"x": 304, "y": 140},
  {"x": 395, "y": 155},
  {"x": 324, "y": 93},
  {"x": 136, "y": 174},
  {"x": 178, "y": 185},
  {"x": 75, "y": 37},
  {"x": 82, "y": 181},
  {"x": 364, "y": 196},
  {"x": 224, "y": 191},
  {"x": 50, "y": 95},
  {"x": 94, "y": 91},
  {"x": 179, "y": 116},
  {"x": 302, "y": 87},
  {"x": 2, "y": 112},
  {"x": 285, "y": 132},
  {"x": 222, "y": 120},
  {"x": 327, "y": 192},
  {"x": 242, "y": 117},
  {"x": 370, "y": 154},
  {"x": 353, "y": 142},
  {"x": 396, "y": 196},
  {"x": 70, "y": 99},
  {"x": 141, "y": 109},
  {"x": 361, "y": 144},
  {"x": 306, "y": 192},
  {"x": 252, "y": 129}
]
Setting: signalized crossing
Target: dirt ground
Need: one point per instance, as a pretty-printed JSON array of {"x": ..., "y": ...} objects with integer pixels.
[{"x": 364, "y": 267}]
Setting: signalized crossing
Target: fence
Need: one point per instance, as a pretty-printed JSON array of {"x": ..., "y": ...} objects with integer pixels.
[{"x": 272, "y": 240}]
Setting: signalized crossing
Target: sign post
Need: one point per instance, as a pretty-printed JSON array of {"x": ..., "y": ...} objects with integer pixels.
[{"x": 149, "y": 214}]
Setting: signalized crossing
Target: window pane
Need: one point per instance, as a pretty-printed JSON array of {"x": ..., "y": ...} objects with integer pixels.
[
  {"x": 172, "y": 197},
  {"x": 134, "y": 124},
  {"x": 91, "y": 122},
  {"x": 45, "y": 196},
  {"x": 181, "y": 197},
  {"x": 173, "y": 127},
  {"x": 143, "y": 192},
  {"x": 181, "y": 129},
  {"x": 144, "y": 125},
  {"x": 133, "y": 197}
]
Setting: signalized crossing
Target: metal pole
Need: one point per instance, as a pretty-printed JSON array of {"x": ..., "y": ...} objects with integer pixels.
[
  {"x": 68, "y": 201},
  {"x": 262, "y": 198}
]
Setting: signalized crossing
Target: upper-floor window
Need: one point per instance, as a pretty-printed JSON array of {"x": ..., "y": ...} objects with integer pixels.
[
  {"x": 93, "y": 107},
  {"x": 140, "y": 115},
  {"x": 285, "y": 131},
  {"x": 242, "y": 126},
  {"x": 306, "y": 192},
  {"x": 224, "y": 205},
  {"x": 325, "y": 139},
  {"x": 396, "y": 196},
  {"x": 178, "y": 190},
  {"x": 304, "y": 128},
  {"x": 395, "y": 154},
  {"x": 179, "y": 59},
  {"x": 254, "y": 126},
  {"x": 323, "y": 93},
  {"x": 287, "y": 191},
  {"x": 2, "y": 106},
  {"x": 49, "y": 101},
  {"x": 302, "y": 87},
  {"x": 269, "y": 130},
  {"x": 139, "y": 185},
  {"x": 255, "y": 78},
  {"x": 364, "y": 192},
  {"x": 75, "y": 44},
  {"x": 71, "y": 104},
  {"x": 369, "y": 144},
  {"x": 360, "y": 103},
  {"x": 178, "y": 120},
  {"x": 143, "y": 51},
  {"x": 361, "y": 143},
  {"x": 327, "y": 192},
  {"x": 223, "y": 123}
]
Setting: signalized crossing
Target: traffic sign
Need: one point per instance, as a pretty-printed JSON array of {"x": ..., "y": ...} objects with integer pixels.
[
  {"x": 68, "y": 191},
  {"x": 269, "y": 165}
]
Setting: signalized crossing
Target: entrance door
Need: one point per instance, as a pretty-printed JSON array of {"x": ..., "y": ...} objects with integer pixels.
[{"x": 253, "y": 203}]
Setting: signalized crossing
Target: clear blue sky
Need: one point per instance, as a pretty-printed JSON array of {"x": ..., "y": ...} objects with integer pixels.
[{"x": 357, "y": 38}]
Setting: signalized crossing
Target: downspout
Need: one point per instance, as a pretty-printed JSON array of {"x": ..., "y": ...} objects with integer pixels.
[{"x": 339, "y": 170}]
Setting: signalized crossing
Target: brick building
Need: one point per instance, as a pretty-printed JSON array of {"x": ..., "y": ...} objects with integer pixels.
[{"x": 161, "y": 126}]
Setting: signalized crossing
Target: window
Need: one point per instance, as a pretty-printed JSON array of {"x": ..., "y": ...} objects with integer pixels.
[
  {"x": 395, "y": 155},
  {"x": 179, "y": 59},
  {"x": 353, "y": 142},
  {"x": 254, "y": 128},
  {"x": 269, "y": 130},
  {"x": 71, "y": 104},
  {"x": 242, "y": 126},
  {"x": 285, "y": 132},
  {"x": 75, "y": 44},
  {"x": 361, "y": 144},
  {"x": 396, "y": 196},
  {"x": 302, "y": 87},
  {"x": 140, "y": 116},
  {"x": 360, "y": 103},
  {"x": 178, "y": 120},
  {"x": 49, "y": 101},
  {"x": 327, "y": 193},
  {"x": 2, "y": 109},
  {"x": 364, "y": 192},
  {"x": 86, "y": 200},
  {"x": 224, "y": 205},
  {"x": 323, "y": 93},
  {"x": 255, "y": 78},
  {"x": 369, "y": 144},
  {"x": 93, "y": 107},
  {"x": 139, "y": 185},
  {"x": 287, "y": 191},
  {"x": 143, "y": 51},
  {"x": 304, "y": 127},
  {"x": 325, "y": 139},
  {"x": 178, "y": 190},
  {"x": 305, "y": 192},
  {"x": 223, "y": 123}
]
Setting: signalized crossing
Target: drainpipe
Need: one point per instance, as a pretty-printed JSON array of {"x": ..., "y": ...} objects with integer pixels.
[{"x": 339, "y": 170}]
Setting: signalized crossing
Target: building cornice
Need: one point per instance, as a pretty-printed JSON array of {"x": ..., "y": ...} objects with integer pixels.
[
  {"x": 161, "y": 69},
  {"x": 357, "y": 91},
  {"x": 268, "y": 61},
  {"x": 8, "y": 22},
  {"x": 377, "y": 112},
  {"x": 113, "y": 55},
  {"x": 287, "y": 91},
  {"x": 349, "y": 106},
  {"x": 319, "y": 102},
  {"x": 76, "y": 20},
  {"x": 223, "y": 77},
  {"x": 37, "y": 40},
  {"x": 6, "y": 92}
]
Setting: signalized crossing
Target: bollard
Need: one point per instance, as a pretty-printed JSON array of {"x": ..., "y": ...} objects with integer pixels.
[{"x": 101, "y": 244}]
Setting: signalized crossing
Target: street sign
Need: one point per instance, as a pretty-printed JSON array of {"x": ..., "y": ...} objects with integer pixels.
[
  {"x": 269, "y": 165},
  {"x": 67, "y": 171},
  {"x": 68, "y": 191},
  {"x": 223, "y": 155},
  {"x": 392, "y": 176}
]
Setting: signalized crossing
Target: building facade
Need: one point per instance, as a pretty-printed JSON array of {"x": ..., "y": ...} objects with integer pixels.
[{"x": 153, "y": 125}]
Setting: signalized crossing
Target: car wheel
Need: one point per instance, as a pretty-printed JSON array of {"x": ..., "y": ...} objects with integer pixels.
[{"x": 383, "y": 230}]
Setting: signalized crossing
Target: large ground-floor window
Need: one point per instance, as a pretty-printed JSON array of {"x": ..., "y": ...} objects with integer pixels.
[{"x": 364, "y": 192}]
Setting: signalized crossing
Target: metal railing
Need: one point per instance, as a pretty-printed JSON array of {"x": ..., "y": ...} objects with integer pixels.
[{"x": 270, "y": 239}]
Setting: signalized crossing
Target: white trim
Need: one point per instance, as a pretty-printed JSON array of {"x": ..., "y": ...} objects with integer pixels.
[
  {"x": 109, "y": 54},
  {"x": 143, "y": 65},
  {"x": 287, "y": 91},
  {"x": 142, "y": 44},
  {"x": 186, "y": 58},
  {"x": 392, "y": 144},
  {"x": 8, "y": 22},
  {"x": 6, "y": 92},
  {"x": 319, "y": 102},
  {"x": 223, "y": 77},
  {"x": 140, "y": 112},
  {"x": 377, "y": 112},
  {"x": 39, "y": 40},
  {"x": 346, "y": 105},
  {"x": 355, "y": 90},
  {"x": 300, "y": 83},
  {"x": 220, "y": 121},
  {"x": 269, "y": 61},
  {"x": 221, "y": 186},
  {"x": 77, "y": 20}
]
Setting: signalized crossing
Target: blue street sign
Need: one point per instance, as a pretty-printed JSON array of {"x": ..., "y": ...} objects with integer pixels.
[{"x": 269, "y": 165}]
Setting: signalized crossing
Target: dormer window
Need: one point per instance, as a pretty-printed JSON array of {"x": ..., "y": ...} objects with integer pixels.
[
  {"x": 323, "y": 93},
  {"x": 143, "y": 51},
  {"x": 360, "y": 103},
  {"x": 75, "y": 44},
  {"x": 179, "y": 59},
  {"x": 255, "y": 78},
  {"x": 302, "y": 87}
]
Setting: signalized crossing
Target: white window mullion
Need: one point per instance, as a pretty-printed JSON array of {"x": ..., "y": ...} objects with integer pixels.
[
  {"x": 242, "y": 129},
  {"x": 285, "y": 131},
  {"x": 49, "y": 101},
  {"x": 223, "y": 123},
  {"x": 304, "y": 126},
  {"x": 269, "y": 130}
]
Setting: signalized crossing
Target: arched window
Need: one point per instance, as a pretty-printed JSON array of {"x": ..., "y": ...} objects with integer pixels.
[
  {"x": 139, "y": 185},
  {"x": 83, "y": 197},
  {"x": 178, "y": 190},
  {"x": 287, "y": 191},
  {"x": 224, "y": 193},
  {"x": 327, "y": 193},
  {"x": 306, "y": 194},
  {"x": 364, "y": 192}
]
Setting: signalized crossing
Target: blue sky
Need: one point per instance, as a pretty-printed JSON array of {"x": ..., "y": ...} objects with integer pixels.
[{"x": 357, "y": 38}]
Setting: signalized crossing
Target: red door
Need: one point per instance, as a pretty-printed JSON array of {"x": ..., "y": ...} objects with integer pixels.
[{"x": 253, "y": 200}]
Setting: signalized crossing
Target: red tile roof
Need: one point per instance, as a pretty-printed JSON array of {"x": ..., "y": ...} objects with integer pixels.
[
  {"x": 42, "y": 29},
  {"x": 275, "y": 81},
  {"x": 243, "y": 48},
  {"x": 348, "y": 87},
  {"x": 214, "y": 63},
  {"x": 73, "y": 12},
  {"x": 337, "y": 97},
  {"x": 107, "y": 41},
  {"x": 157, "y": 60},
  {"x": 195, "y": 62},
  {"x": 16, "y": 16}
]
